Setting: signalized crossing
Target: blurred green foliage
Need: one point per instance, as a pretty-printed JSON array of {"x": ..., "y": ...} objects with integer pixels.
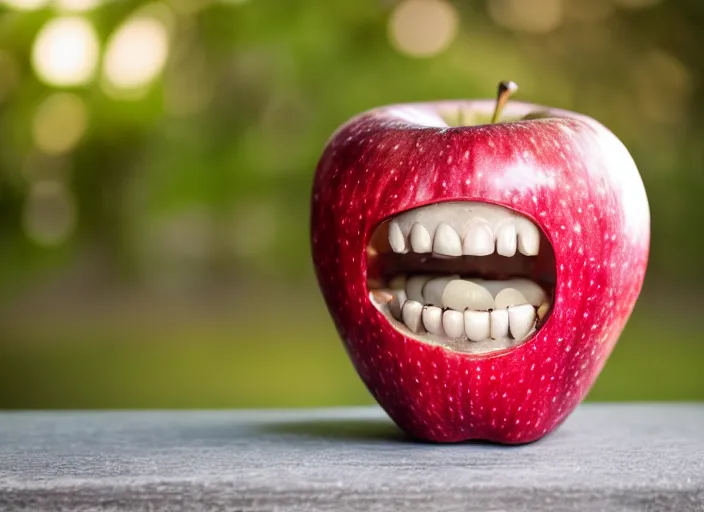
[
  {"x": 250, "y": 361},
  {"x": 193, "y": 188}
]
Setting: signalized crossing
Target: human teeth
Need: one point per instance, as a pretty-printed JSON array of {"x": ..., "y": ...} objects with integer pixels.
[
  {"x": 528, "y": 237},
  {"x": 484, "y": 226},
  {"x": 433, "y": 289},
  {"x": 420, "y": 239},
  {"x": 411, "y": 315},
  {"x": 395, "y": 308},
  {"x": 509, "y": 297},
  {"x": 396, "y": 304},
  {"x": 414, "y": 288},
  {"x": 447, "y": 242},
  {"x": 461, "y": 294},
  {"x": 479, "y": 240},
  {"x": 432, "y": 320},
  {"x": 499, "y": 324},
  {"x": 453, "y": 323},
  {"x": 477, "y": 325},
  {"x": 533, "y": 292},
  {"x": 506, "y": 239},
  {"x": 490, "y": 312},
  {"x": 464, "y": 309},
  {"x": 396, "y": 239},
  {"x": 521, "y": 320}
]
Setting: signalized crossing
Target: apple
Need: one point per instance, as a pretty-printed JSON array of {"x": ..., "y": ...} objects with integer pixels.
[{"x": 479, "y": 269}]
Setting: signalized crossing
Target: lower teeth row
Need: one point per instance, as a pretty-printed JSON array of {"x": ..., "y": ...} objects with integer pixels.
[{"x": 516, "y": 322}]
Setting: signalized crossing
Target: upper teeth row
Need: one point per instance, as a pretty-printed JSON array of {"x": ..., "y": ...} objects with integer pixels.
[{"x": 463, "y": 228}]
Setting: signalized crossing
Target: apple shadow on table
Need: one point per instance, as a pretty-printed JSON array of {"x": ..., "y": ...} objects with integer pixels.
[
  {"x": 363, "y": 430},
  {"x": 348, "y": 430}
]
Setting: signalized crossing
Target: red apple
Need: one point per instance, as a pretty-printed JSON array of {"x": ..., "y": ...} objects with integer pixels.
[{"x": 535, "y": 232}]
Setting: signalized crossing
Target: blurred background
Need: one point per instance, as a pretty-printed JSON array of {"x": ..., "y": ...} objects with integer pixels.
[{"x": 156, "y": 162}]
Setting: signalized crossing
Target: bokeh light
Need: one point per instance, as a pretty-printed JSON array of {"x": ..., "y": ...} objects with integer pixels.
[
  {"x": 49, "y": 213},
  {"x": 25, "y": 5},
  {"x": 534, "y": 16},
  {"x": 66, "y": 51},
  {"x": 156, "y": 158},
  {"x": 77, "y": 5},
  {"x": 59, "y": 123},
  {"x": 135, "y": 55},
  {"x": 423, "y": 28}
]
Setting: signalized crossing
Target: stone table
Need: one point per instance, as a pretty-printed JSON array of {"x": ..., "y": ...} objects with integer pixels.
[{"x": 605, "y": 457}]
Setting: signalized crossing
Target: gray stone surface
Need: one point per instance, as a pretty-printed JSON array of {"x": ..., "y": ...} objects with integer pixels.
[{"x": 605, "y": 457}]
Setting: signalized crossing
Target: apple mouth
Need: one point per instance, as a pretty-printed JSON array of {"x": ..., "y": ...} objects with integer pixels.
[{"x": 470, "y": 276}]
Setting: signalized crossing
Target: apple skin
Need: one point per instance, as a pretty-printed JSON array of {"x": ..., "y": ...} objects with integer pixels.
[{"x": 567, "y": 173}]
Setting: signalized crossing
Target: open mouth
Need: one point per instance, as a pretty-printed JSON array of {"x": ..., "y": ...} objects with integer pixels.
[{"x": 470, "y": 276}]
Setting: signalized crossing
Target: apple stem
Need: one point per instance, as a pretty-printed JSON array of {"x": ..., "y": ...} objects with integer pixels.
[{"x": 506, "y": 89}]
